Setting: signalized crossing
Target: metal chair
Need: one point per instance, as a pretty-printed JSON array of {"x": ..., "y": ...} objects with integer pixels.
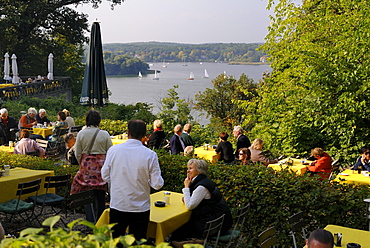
[
  {"x": 335, "y": 168},
  {"x": 75, "y": 129},
  {"x": 42, "y": 143},
  {"x": 297, "y": 224},
  {"x": 51, "y": 199},
  {"x": 81, "y": 199},
  {"x": 239, "y": 221},
  {"x": 213, "y": 228},
  {"x": 52, "y": 153},
  {"x": 267, "y": 238},
  {"x": 17, "y": 206}
]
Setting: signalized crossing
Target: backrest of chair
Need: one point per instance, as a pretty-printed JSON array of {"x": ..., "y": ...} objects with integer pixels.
[
  {"x": 335, "y": 165},
  {"x": 63, "y": 131},
  {"x": 213, "y": 228},
  {"x": 81, "y": 199},
  {"x": 75, "y": 129},
  {"x": 297, "y": 221},
  {"x": 52, "y": 152},
  {"x": 42, "y": 143},
  {"x": 241, "y": 215},
  {"x": 57, "y": 182},
  {"x": 28, "y": 187},
  {"x": 267, "y": 238}
]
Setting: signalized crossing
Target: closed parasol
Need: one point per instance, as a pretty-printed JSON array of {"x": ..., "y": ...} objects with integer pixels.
[
  {"x": 94, "y": 87},
  {"x": 50, "y": 67},
  {"x": 6, "y": 67},
  {"x": 15, "y": 70}
]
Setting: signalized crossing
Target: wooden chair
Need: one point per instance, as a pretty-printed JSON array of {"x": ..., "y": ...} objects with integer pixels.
[
  {"x": 267, "y": 238},
  {"x": 56, "y": 202},
  {"x": 17, "y": 206},
  {"x": 42, "y": 143},
  {"x": 239, "y": 221},
  {"x": 297, "y": 225},
  {"x": 213, "y": 229}
]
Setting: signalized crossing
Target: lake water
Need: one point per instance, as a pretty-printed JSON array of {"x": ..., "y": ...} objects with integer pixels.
[{"x": 130, "y": 90}]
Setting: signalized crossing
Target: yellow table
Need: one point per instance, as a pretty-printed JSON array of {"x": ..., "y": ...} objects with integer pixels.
[
  {"x": 9, "y": 184},
  {"x": 6, "y": 85},
  {"x": 44, "y": 132},
  {"x": 7, "y": 149},
  {"x": 350, "y": 235},
  {"x": 163, "y": 221},
  {"x": 117, "y": 140},
  {"x": 209, "y": 154},
  {"x": 353, "y": 177},
  {"x": 297, "y": 166}
]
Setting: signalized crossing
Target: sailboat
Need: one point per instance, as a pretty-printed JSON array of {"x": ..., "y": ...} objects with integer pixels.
[
  {"x": 140, "y": 75},
  {"x": 191, "y": 77},
  {"x": 156, "y": 77},
  {"x": 164, "y": 65},
  {"x": 205, "y": 74}
]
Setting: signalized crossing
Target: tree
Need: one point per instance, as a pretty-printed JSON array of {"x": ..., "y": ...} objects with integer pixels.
[
  {"x": 317, "y": 93},
  {"x": 220, "y": 104},
  {"x": 33, "y": 29}
]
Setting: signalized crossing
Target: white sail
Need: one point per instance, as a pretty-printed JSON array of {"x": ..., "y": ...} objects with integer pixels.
[
  {"x": 191, "y": 77},
  {"x": 140, "y": 75},
  {"x": 156, "y": 77},
  {"x": 205, "y": 74}
]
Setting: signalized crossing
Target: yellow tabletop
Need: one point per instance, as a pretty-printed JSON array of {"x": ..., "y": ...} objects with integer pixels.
[
  {"x": 352, "y": 176},
  {"x": 6, "y": 85},
  {"x": 44, "y": 132},
  {"x": 118, "y": 140},
  {"x": 163, "y": 221},
  {"x": 209, "y": 154},
  {"x": 9, "y": 184},
  {"x": 350, "y": 235},
  {"x": 7, "y": 149},
  {"x": 297, "y": 166}
]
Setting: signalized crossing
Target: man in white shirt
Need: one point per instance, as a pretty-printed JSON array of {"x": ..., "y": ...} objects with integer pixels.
[{"x": 131, "y": 169}]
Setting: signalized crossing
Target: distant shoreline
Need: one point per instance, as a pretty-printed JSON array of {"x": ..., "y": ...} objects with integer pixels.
[{"x": 248, "y": 63}]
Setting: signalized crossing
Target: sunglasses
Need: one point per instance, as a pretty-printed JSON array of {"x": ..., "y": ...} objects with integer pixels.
[
  {"x": 367, "y": 153},
  {"x": 241, "y": 153}
]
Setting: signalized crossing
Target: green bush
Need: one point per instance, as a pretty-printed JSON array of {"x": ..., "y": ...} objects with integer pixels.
[{"x": 274, "y": 196}]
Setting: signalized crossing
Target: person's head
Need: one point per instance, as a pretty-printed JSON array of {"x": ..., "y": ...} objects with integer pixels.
[
  {"x": 177, "y": 129},
  {"x": 42, "y": 113},
  {"x": 70, "y": 139},
  {"x": 93, "y": 118},
  {"x": 257, "y": 144},
  {"x": 66, "y": 112},
  {"x": 317, "y": 152},
  {"x": 187, "y": 128},
  {"x": 136, "y": 129},
  {"x": 4, "y": 113},
  {"x": 244, "y": 154},
  {"x": 365, "y": 151},
  {"x": 224, "y": 136},
  {"x": 32, "y": 112},
  {"x": 25, "y": 133},
  {"x": 196, "y": 167},
  {"x": 238, "y": 130},
  {"x": 61, "y": 116},
  {"x": 320, "y": 238},
  {"x": 157, "y": 124}
]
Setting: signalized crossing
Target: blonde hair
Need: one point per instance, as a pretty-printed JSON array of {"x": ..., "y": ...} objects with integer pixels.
[
  {"x": 257, "y": 144},
  {"x": 317, "y": 152},
  {"x": 187, "y": 128},
  {"x": 157, "y": 124},
  {"x": 66, "y": 112}
]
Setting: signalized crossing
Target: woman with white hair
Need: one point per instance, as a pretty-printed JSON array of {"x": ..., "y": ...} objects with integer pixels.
[
  {"x": 8, "y": 127},
  {"x": 41, "y": 117},
  {"x": 28, "y": 120},
  {"x": 257, "y": 154},
  {"x": 202, "y": 196}
]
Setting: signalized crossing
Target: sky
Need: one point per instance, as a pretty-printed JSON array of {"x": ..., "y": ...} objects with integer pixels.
[{"x": 182, "y": 21}]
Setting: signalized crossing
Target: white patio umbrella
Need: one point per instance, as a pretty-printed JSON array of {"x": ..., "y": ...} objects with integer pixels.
[
  {"x": 6, "y": 67},
  {"x": 15, "y": 70},
  {"x": 50, "y": 67}
]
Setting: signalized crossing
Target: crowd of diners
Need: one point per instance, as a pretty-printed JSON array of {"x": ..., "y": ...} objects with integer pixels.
[{"x": 131, "y": 169}]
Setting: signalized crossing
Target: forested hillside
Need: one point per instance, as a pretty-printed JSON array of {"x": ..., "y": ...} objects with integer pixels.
[{"x": 176, "y": 52}]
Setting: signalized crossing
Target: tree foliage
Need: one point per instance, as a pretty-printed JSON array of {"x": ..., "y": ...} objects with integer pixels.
[
  {"x": 123, "y": 64},
  {"x": 221, "y": 101},
  {"x": 316, "y": 94}
]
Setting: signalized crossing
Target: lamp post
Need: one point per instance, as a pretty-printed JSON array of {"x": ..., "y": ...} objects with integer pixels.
[{"x": 367, "y": 202}]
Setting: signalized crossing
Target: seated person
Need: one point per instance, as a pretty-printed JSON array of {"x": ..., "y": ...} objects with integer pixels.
[
  {"x": 364, "y": 160},
  {"x": 28, "y": 121},
  {"x": 257, "y": 154},
  {"x": 70, "y": 140},
  {"x": 61, "y": 123},
  {"x": 245, "y": 156},
  {"x": 69, "y": 119},
  {"x": 204, "y": 199},
  {"x": 225, "y": 149},
  {"x": 8, "y": 127},
  {"x": 320, "y": 238},
  {"x": 322, "y": 165},
  {"x": 41, "y": 117},
  {"x": 27, "y": 145}
]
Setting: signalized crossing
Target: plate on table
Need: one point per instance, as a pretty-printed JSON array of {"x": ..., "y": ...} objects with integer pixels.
[{"x": 343, "y": 174}]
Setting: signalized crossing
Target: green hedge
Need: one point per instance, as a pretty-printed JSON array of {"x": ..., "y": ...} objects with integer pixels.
[{"x": 274, "y": 196}]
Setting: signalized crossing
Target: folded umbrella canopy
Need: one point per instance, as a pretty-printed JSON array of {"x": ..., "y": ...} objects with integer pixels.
[
  {"x": 50, "y": 67},
  {"x": 15, "y": 70},
  {"x": 94, "y": 87},
  {"x": 6, "y": 67}
]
